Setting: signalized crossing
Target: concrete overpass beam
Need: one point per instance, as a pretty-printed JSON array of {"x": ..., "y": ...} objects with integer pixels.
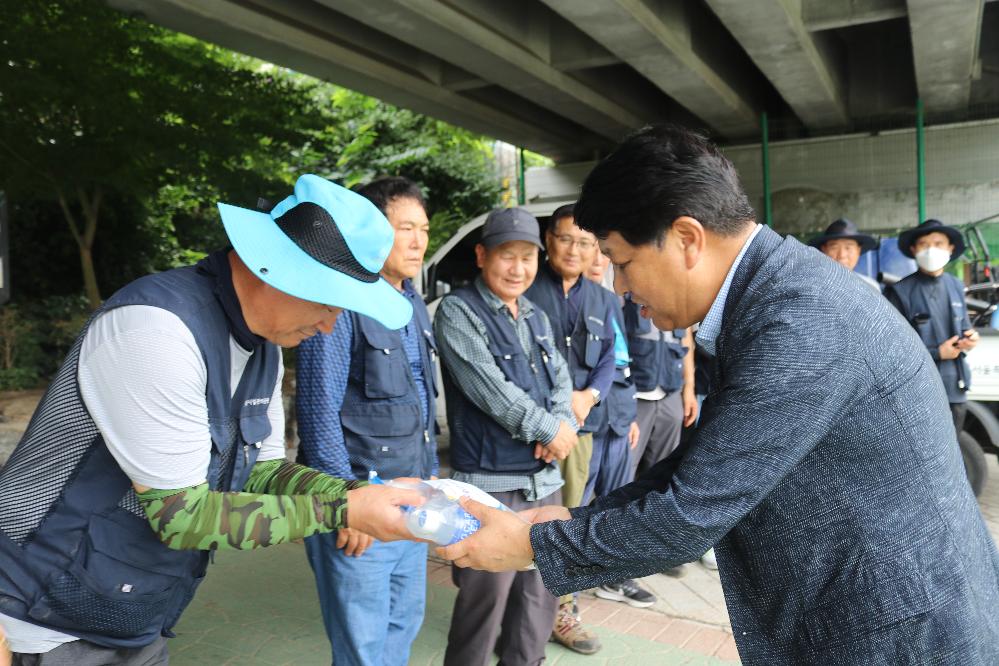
[
  {"x": 800, "y": 65},
  {"x": 831, "y": 14},
  {"x": 945, "y": 40},
  {"x": 654, "y": 37},
  {"x": 307, "y": 48},
  {"x": 493, "y": 43}
]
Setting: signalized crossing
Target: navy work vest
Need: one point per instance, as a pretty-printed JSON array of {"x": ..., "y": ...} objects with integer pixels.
[
  {"x": 955, "y": 373},
  {"x": 582, "y": 345},
  {"x": 653, "y": 362},
  {"x": 382, "y": 414},
  {"x": 77, "y": 553},
  {"x": 621, "y": 405},
  {"x": 479, "y": 443}
]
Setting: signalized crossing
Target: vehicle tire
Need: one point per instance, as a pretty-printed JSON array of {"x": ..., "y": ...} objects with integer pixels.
[{"x": 974, "y": 462}]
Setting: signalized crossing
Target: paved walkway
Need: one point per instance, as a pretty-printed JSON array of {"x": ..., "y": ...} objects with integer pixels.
[{"x": 260, "y": 608}]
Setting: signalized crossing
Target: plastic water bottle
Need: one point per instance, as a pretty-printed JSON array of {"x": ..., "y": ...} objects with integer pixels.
[{"x": 440, "y": 519}]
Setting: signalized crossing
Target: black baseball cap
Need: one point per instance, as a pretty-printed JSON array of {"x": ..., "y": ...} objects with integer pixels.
[{"x": 510, "y": 224}]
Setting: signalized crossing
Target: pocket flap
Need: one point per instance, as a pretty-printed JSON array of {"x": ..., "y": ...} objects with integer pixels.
[
  {"x": 503, "y": 351},
  {"x": 379, "y": 337},
  {"x": 137, "y": 546},
  {"x": 383, "y": 420},
  {"x": 429, "y": 337},
  {"x": 596, "y": 327},
  {"x": 255, "y": 427},
  {"x": 860, "y": 613}
]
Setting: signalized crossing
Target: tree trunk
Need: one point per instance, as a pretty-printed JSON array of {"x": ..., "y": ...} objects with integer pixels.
[
  {"x": 85, "y": 240},
  {"x": 89, "y": 278}
]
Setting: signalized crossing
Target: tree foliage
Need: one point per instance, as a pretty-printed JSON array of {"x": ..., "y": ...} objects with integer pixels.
[
  {"x": 95, "y": 103},
  {"x": 118, "y": 138},
  {"x": 366, "y": 139}
]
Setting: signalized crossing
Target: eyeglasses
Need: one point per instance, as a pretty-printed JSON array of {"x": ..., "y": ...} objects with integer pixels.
[{"x": 583, "y": 244}]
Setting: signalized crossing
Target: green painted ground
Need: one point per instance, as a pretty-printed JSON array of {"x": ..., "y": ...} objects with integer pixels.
[{"x": 261, "y": 608}]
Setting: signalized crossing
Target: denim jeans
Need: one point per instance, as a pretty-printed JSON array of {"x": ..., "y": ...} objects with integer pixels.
[{"x": 372, "y": 605}]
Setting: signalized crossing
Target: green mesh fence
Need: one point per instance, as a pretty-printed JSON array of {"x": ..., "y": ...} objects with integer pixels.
[{"x": 871, "y": 176}]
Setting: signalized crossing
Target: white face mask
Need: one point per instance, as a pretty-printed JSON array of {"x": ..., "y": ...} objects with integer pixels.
[{"x": 932, "y": 259}]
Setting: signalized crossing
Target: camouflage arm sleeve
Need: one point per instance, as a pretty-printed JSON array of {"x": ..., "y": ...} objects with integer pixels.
[
  {"x": 280, "y": 477},
  {"x": 285, "y": 501}
]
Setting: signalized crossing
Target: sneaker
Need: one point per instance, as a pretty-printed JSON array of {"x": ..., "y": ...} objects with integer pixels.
[
  {"x": 627, "y": 591},
  {"x": 676, "y": 572},
  {"x": 709, "y": 561},
  {"x": 570, "y": 632}
]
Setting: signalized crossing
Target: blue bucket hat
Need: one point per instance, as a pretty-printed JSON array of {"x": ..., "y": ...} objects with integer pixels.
[{"x": 324, "y": 244}]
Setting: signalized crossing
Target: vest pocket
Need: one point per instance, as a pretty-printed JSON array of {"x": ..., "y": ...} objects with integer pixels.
[
  {"x": 254, "y": 428},
  {"x": 385, "y": 365},
  {"x": 121, "y": 584},
  {"x": 644, "y": 368},
  {"x": 674, "y": 366},
  {"x": 547, "y": 353},
  {"x": 386, "y": 438},
  {"x": 594, "y": 342},
  {"x": 513, "y": 362},
  {"x": 432, "y": 349}
]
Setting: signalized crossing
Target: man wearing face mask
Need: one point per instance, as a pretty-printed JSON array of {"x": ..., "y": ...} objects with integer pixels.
[{"x": 933, "y": 302}]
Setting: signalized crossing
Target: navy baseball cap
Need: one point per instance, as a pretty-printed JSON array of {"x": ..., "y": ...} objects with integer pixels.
[
  {"x": 323, "y": 244},
  {"x": 510, "y": 224}
]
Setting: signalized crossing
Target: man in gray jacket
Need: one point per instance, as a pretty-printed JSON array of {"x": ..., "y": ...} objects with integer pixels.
[{"x": 825, "y": 466}]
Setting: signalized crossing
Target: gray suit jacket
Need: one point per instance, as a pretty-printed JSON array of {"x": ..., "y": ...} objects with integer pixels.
[{"x": 827, "y": 474}]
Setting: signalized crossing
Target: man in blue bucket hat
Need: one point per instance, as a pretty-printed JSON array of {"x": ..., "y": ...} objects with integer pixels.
[
  {"x": 161, "y": 438},
  {"x": 365, "y": 403}
]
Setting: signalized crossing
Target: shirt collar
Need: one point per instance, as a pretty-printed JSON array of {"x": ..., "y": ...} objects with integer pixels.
[
  {"x": 217, "y": 265},
  {"x": 408, "y": 289},
  {"x": 524, "y": 306},
  {"x": 710, "y": 328},
  {"x": 551, "y": 274}
]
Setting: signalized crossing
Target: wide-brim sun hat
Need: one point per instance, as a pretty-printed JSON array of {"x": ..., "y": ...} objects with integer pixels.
[
  {"x": 844, "y": 229},
  {"x": 910, "y": 236},
  {"x": 323, "y": 244}
]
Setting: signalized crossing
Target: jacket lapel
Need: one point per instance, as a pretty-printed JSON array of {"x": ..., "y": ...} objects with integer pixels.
[{"x": 765, "y": 243}]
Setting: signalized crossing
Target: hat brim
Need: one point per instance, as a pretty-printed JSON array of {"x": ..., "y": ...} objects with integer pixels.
[
  {"x": 907, "y": 238},
  {"x": 499, "y": 239},
  {"x": 274, "y": 258},
  {"x": 866, "y": 242}
]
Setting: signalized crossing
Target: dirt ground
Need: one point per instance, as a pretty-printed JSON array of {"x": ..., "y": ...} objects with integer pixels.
[{"x": 16, "y": 408}]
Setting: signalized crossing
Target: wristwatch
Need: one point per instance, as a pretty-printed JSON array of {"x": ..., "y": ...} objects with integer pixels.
[{"x": 596, "y": 395}]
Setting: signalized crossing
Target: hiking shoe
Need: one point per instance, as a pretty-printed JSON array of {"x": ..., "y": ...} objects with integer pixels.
[
  {"x": 709, "y": 561},
  {"x": 627, "y": 591},
  {"x": 570, "y": 632}
]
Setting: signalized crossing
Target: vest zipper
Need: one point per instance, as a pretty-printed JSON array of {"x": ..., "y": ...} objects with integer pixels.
[{"x": 246, "y": 454}]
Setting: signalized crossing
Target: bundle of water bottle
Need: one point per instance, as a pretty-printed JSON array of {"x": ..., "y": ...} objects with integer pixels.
[{"x": 441, "y": 518}]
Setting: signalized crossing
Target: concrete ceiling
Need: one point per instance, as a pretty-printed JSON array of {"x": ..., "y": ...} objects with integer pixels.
[{"x": 567, "y": 78}]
